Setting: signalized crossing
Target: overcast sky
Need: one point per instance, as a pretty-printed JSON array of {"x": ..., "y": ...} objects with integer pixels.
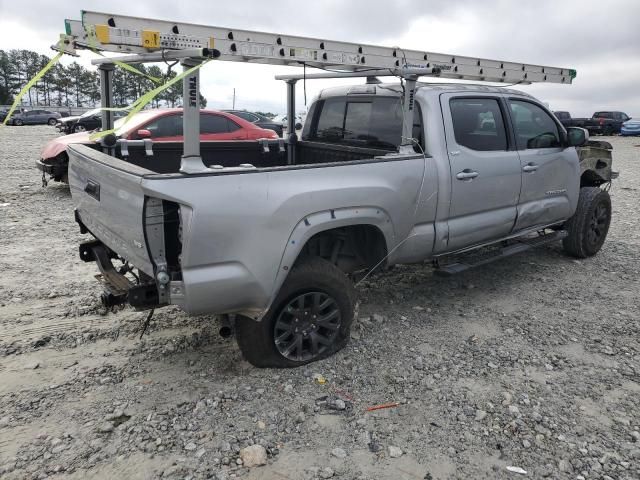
[{"x": 600, "y": 39}]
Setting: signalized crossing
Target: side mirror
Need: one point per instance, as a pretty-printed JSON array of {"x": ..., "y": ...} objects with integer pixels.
[
  {"x": 143, "y": 134},
  {"x": 577, "y": 136}
]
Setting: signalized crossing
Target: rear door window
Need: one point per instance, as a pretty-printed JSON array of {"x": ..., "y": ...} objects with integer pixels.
[
  {"x": 165, "y": 126},
  {"x": 534, "y": 127},
  {"x": 478, "y": 123},
  {"x": 213, "y": 123}
]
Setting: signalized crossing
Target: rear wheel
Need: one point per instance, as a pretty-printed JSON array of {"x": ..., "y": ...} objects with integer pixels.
[
  {"x": 608, "y": 130},
  {"x": 52, "y": 121},
  {"x": 18, "y": 122},
  {"x": 310, "y": 318},
  {"x": 587, "y": 229}
]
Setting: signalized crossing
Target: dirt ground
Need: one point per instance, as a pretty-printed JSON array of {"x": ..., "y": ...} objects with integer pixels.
[{"x": 531, "y": 362}]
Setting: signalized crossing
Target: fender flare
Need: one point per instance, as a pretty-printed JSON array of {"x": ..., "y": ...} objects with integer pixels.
[{"x": 321, "y": 221}]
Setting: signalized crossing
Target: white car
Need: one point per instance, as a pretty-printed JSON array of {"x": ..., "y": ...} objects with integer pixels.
[{"x": 284, "y": 120}]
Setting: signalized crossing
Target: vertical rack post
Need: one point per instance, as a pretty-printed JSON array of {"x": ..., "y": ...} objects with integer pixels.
[
  {"x": 191, "y": 161},
  {"x": 291, "y": 121},
  {"x": 407, "y": 113},
  {"x": 106, "y": 98}
]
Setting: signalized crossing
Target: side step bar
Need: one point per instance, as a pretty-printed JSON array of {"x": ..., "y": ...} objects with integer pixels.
[{"x": 519, "y": 247}]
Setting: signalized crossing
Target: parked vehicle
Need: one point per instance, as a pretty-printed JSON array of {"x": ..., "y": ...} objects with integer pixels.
[
  {"x": 630, "y": 127},
  {"x": 3, "y": 115},
  {"x": 34, "y": 117},
  {"x": 63, "y": 123},
  {"x": 259, "y": 120},
  {"x": 90, "y": 120},
  {"x": 283, "y": 120},
  {"x": 605, "y": 123},
  {"x": 160, "y": 125},
  {"x": 278, "y": 240}
]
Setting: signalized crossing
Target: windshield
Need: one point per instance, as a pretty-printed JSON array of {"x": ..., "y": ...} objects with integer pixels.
[
  {"x": 90, "y": 113},
  {"x": 134, "y": 123}
]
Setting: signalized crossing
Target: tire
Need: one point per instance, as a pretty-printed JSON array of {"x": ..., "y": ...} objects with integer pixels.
[
  {"x": 51, "y": 121},
  {"x": 79, "y": 128},
  {"x": 316, "y": 282},
  {"x": 588, "y": 227},
  {"x": 608, "y": 131},
  {"x": 18, "y": 123}
]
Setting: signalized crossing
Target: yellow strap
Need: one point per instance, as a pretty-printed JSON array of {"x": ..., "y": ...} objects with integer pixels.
[
  {"x": 146, "y": 98},
  {"x": 30, "y": 84},
  {"x": 131, "y": 69}
]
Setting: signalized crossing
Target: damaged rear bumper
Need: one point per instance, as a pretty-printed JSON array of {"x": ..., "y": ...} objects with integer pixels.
[{"x": 118, "y": 289}]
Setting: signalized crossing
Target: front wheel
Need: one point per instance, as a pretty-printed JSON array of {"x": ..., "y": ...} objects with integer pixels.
[
  {"x": 588, "y": 227},
  {"x": 52, "y": 121},
  {"x": 79, "y": 128},
  {"x": 18, "y": 123},
  {"x": 310, "y": 318}
]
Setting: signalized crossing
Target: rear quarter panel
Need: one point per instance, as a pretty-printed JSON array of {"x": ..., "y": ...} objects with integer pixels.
[{"x": 236, "y": 228}]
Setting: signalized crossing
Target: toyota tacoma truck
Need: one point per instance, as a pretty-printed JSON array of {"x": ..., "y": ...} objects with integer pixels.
[{"x": 277, "y": 244}]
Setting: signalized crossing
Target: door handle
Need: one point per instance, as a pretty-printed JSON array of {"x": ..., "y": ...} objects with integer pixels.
[
  {"x": 530, "y": 167},
  {"x": 467, "y": 174}
]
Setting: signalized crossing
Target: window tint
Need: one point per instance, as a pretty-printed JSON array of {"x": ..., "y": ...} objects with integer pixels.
[
  {"x": 534, "y": 128},
  {"x": 478, "y": 123},
  {"x": 357, "y": 120},
  {"x": 366, "y": 122},
  {"x": 232, "y": 126},
  {"x": 331, "y": 122},
  {"x": 250, "y": 117},
  {"x": 213, "y": 124},
  {"x": 166, "y": 126}
]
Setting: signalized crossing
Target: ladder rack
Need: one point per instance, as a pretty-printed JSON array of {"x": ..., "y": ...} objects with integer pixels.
[
  {"x": 151, "y": 40},
  {"x": 125, "y": 34}
]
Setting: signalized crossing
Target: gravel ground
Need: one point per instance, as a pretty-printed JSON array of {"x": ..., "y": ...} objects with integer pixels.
[{"x": 531, "y": 362}]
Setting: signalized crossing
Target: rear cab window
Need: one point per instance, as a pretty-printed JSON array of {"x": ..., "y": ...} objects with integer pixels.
[{"x": 369, "y": 122}]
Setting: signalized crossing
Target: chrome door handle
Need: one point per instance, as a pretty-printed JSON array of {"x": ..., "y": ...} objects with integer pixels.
[
  {"x": 467, "y": 174},
  {"x": 530, "y": 167}
]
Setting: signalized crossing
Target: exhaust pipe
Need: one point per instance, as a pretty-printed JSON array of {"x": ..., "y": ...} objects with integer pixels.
[{"x": 226, "y": 326}]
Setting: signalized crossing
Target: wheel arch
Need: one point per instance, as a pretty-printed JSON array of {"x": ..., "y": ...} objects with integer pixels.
[{"x": 365, "y": 233}]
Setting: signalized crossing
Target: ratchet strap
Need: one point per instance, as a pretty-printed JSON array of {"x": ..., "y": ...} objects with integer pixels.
[
  {"x": 30, "y": 84},
  {"x": 147, "y": 97}
]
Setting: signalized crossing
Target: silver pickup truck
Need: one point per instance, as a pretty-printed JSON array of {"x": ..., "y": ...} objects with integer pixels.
[{"x": 278, "y": 245}]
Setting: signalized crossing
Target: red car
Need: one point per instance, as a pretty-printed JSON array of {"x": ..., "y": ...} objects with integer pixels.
[{"x": 161, "y": 125}]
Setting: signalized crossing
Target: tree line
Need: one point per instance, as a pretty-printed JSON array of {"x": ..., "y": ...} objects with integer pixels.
[{"x": 74, "y": 85}]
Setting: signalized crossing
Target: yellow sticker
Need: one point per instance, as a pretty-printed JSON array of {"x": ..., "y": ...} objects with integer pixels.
[
  {"x": 102, "y": 33},
  {"x": 150, "y": 39}
]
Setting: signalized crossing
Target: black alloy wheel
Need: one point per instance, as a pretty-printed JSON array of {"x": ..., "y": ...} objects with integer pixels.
[{"x": 307, "y": 326}]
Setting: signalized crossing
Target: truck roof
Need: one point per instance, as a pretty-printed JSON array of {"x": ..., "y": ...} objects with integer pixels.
[{"x": 396, "y": 89}]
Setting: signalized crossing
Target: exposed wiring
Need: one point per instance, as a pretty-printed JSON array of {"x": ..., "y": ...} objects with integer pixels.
[
  {"x": 416, "y": 142},
  {"x": 169, "y": 65},
  {"x": 384, "y": 258}
]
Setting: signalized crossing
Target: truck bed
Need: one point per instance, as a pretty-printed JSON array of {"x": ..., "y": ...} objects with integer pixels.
[{"x": 166, "y": 155}]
